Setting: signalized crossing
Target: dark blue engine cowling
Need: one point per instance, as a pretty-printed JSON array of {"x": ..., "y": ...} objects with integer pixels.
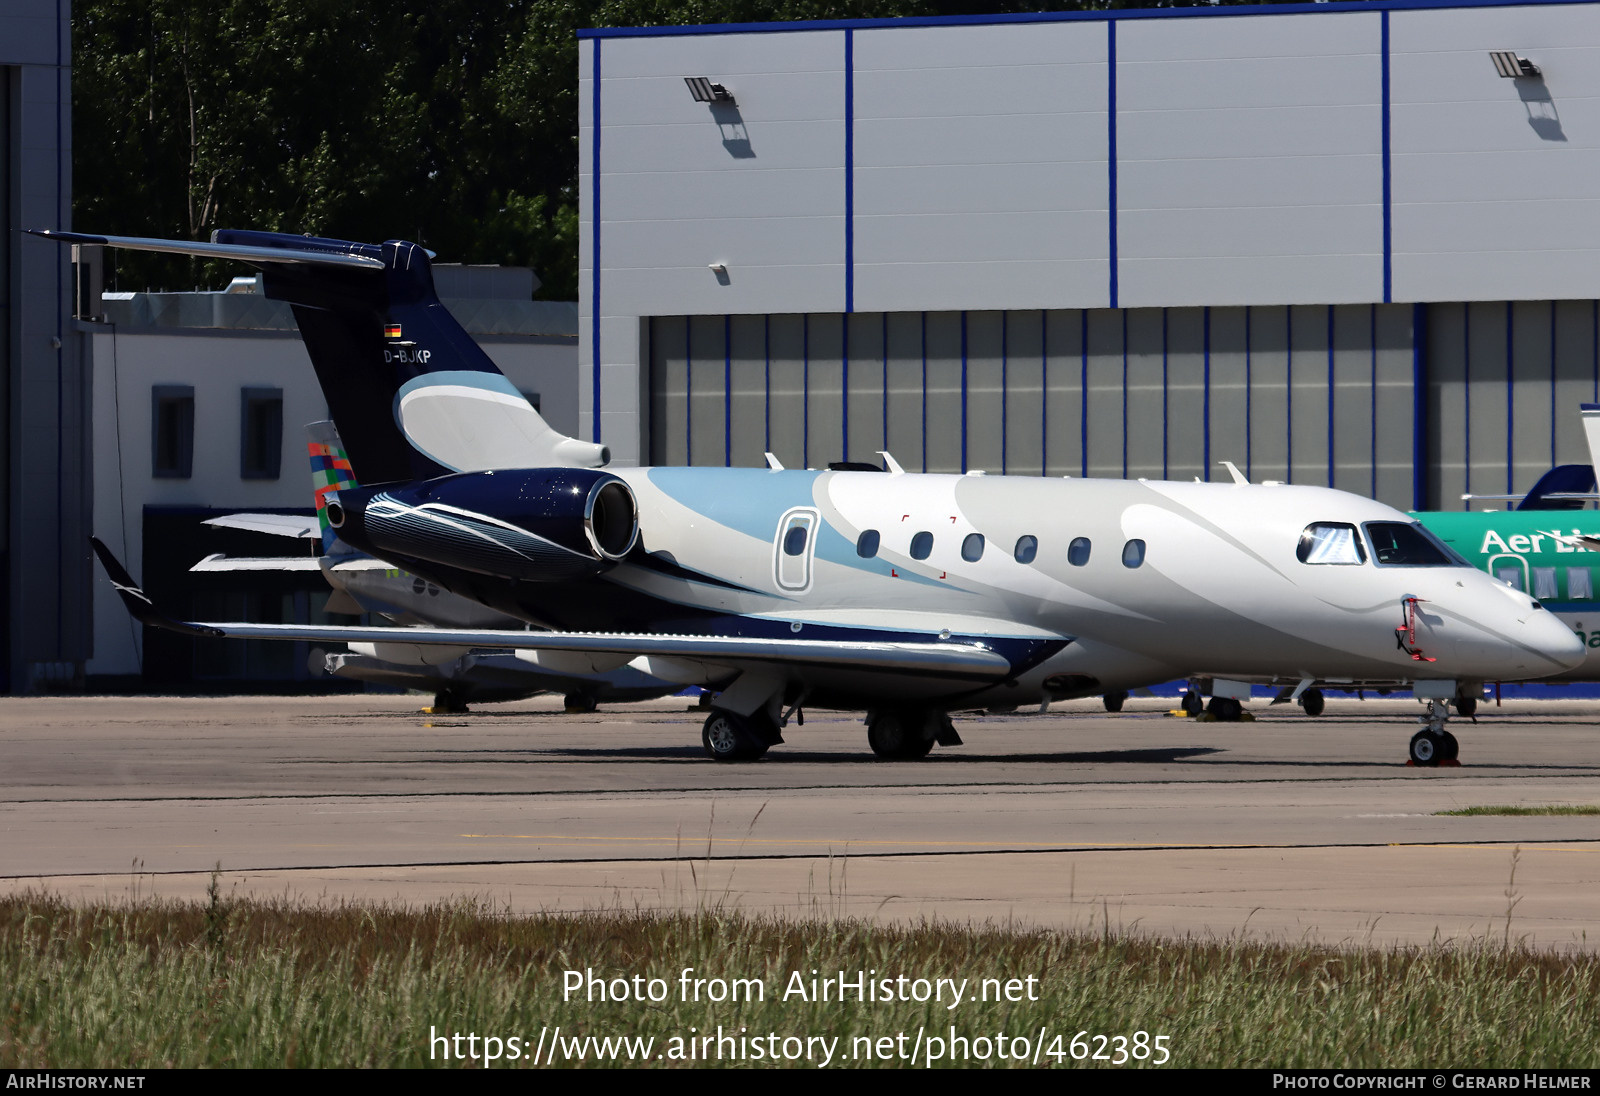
[{"x": 533, "y": 524}]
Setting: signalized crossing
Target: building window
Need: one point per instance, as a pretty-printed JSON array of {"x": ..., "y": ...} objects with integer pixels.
[
  {"x": 260, "y": 432},
  {"x": 172, "y": 431}
]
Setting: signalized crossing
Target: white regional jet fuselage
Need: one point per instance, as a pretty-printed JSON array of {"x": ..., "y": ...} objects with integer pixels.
[{"x": 1149, "y": 580}]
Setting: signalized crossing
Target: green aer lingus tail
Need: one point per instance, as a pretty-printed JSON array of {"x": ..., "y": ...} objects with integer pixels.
[{"x": 1547, "y": 545}]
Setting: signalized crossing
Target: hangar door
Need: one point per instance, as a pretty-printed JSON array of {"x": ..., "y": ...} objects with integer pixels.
[
  {"x": 1312, "y": 394},
  {"x": 1504, "y": 381}
]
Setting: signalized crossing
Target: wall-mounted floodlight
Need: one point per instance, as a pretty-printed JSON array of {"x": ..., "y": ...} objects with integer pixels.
[
  {"x": 1507, "y": 63},
  {"x": 704, "y": 91}
]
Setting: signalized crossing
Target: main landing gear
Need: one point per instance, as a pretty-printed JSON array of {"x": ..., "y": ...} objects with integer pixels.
[
  {"x": 1433, "y": 745},
  {"x": 729, "y": 736},
  {"x": 907, "y": 734}
]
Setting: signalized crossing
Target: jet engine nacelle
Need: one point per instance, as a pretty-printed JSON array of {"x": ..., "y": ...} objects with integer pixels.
[{"x": 534, "y": 524}]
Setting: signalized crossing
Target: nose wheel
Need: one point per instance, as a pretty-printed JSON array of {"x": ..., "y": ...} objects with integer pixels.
[{"x": 1433, "y": 745}]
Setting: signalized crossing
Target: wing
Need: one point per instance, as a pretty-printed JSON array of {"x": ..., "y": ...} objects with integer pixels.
[
  {"x": 973, "y": 662},
  {"x": 278, "y": 525}
]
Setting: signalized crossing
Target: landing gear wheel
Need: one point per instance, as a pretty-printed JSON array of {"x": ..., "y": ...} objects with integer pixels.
[
  {"x": 1114, "y": 701},
  {"x": 728, "y": 736},
  {"x": 448, "y": 701},
  {"x": 1313, "y": 702},
  {"x": 1467, "y": 706},
  {"x": 897, "y": 734},
  {"x": 1449, "y": 749},
  {"x": 1225, "y": 709},
  {"x": 1428, "y": 748},
  {"x": 1191, "y": 703},
  {"x": 580, "y": 703}
]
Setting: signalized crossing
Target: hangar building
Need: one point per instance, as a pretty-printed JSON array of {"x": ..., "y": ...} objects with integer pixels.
[
  {"x": 1336, "y": 243},
  {"x": 44, "y": 469}
]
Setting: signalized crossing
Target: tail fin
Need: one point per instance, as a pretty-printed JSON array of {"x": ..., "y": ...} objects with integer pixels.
[
  {"x": 413, "y": 395},
  {"x": 330, "y": 472}
]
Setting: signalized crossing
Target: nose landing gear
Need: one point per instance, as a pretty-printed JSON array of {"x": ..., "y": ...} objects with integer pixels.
[{"x": 1433, "y": 745}]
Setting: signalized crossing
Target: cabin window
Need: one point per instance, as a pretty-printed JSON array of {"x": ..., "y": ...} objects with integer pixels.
[
  {"x": 1330, "y": 542},
  {"x": 922, "y": 545},
  {"x": 1133, "y": 553},
  {"x": 1026, "y": 549},
  {"x": 1579, "y": 584},
  {"x": 1544, "y": 583},
  {"x": 972, "y": 547},
  {"x": 1078, "y": 551},
  {"x": 1405, "y": 544},
  {"x": 171, "y": 431},
  {"x": 794, "y": 541},
  {"x": 867, "y": 543}
]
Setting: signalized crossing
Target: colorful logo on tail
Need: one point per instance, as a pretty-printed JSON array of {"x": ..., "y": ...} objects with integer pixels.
[{"x": 330, "y": 472}]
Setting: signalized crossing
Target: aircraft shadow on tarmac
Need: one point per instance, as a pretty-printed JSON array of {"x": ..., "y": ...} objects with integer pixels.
[{"x": 1154, "y": 756}]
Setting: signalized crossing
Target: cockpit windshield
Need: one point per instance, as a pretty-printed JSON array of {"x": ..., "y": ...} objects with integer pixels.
[
  {"x": 1406, "y": 544},
  {"x": 1329, "y": 542}
]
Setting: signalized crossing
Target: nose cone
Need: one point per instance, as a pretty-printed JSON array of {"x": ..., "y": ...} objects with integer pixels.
[{"x": 1552, "y": 640}]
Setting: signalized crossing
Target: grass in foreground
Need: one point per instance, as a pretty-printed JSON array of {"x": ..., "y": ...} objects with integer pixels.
[
  {"x": 1521, "y": 812},
  {"x": 273, "y": 984}
]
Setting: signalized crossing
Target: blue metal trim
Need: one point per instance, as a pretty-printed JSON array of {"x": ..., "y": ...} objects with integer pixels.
[
  {"x": 1594, "y": 344},
  {"x": 1005, "y": 385},
  {"x": 963, "y": 392},
  {"x": 688, "y": 390},
  {"x": 1552, "y": 384},
  {"x": 885, "y": 317},
  {"x": 594, "y": 259},
  {"x": 766, "y": 377},
  {"x": 1111, "y": 159},
  {"x": 1372, "y": 433},
  {"x": 805, "y": 389},
  {"x": 844, "y": 387},
  {"x": 1511, "y": 403},
  {"x": 1339, "y": 6},
  {"x": 1419, "y": 403},
  {"x": 1205, "y": 435},
  {"x": 849, "y": 182},
  {"x": 727, "y": 391},
  {"x": 1124, "y": 394},
  {"x": 1044, "y": 392},
  {"x": 1288, "y": 389},
  {"x": 1466, "y": 393},
  {"x": 1083, "y": 395},
  {"x": 1331, "y": 390},
  {"x": 1249, "y": 386},
  {"x": 1388, "y": 207},
  {"x": 1166, "y": 392},
  {"x": 924, "y": 391}
]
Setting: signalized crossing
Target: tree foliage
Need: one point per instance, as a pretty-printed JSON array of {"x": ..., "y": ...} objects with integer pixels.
[{"x": 450, "y": 122}]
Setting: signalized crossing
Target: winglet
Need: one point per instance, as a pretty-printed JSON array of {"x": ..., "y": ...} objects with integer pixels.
[
  {"x": 137, "y": 601},
  {"x": 1233, "y": 470}
]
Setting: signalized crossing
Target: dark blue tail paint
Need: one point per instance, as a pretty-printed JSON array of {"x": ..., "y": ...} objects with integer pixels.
[{"x": 368, "y": 332}]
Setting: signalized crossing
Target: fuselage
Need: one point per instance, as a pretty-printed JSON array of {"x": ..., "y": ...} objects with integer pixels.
[{"x": 1085, "y": 585}]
